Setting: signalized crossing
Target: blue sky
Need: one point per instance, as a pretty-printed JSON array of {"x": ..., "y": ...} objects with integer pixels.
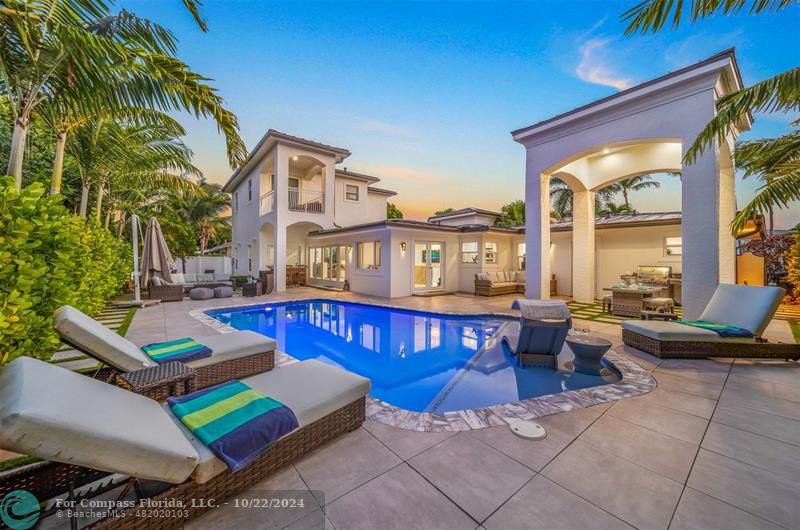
[{"x": 425, "y": 94}]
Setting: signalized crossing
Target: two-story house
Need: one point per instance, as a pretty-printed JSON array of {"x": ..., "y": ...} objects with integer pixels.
[{"x": 288, "y": 188}]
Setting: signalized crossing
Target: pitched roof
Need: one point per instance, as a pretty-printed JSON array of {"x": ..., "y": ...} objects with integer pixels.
[
  {"x": 729, "y": 53},
  {"x": 619, "y": 220},
  {"x": 465, "y": 211},
  {"x": 357, "y": 176}
]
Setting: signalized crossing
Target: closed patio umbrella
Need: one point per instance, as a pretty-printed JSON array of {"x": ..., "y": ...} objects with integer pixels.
[{"x": 157, "y": 260}]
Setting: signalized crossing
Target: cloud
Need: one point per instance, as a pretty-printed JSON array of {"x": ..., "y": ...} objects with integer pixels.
[{"x": 593, "y": 66}]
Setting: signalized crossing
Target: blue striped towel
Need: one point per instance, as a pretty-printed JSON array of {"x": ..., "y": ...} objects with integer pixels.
[{"x": 181, "y": 350}]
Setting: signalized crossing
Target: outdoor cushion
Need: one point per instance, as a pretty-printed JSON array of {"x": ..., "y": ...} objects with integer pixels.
[
  {"x": 56, "y": 414},
  {"x": 312, "y": 389},
  {"x": 234, "y": 345},
  {"x": 205, "y": 277},
  {"x": 743, "y": 306},
  {"x": 483, "y": 276},
  {"x": 177, "y": 278},
  {"x": 504, "y": 284},
  {"x": 201, "y": 293},
  {"x": 222, "y": 276},
  {"x": 190, "y": 277},
  {"x": 155, "y": 281},
  {"x": 224, "y": 291},
  {"x": 520, "y": 276},
  {"x": 92, "y": 337},
  {"x": 87, "y": 334},
  {"x": 675, "y": 332}
]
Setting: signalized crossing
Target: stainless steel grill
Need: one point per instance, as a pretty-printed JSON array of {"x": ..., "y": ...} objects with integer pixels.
[{"x": 656, "y": 276}]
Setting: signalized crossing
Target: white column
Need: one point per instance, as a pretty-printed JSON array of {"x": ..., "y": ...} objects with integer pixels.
[
  {"x": 281, "y": 210},
  {"x": 583, "y": 248},
  {"x": 701, "y": 229},
  {"x": 537, "y": 231}
]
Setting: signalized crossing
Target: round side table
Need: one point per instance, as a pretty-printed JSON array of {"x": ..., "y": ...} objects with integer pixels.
[{"x": 588, "y": 351}]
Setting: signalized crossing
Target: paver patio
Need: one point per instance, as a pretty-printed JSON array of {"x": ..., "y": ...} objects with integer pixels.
[{"x": 716, "y": 445}]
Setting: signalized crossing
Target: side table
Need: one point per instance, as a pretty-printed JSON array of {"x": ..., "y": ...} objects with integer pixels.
[
  {"x": 251, "y": 289},
  {"x": 159, "y": 382},
  {"x": 648, "y": 314},
  {"x": 588, "y": 352}
]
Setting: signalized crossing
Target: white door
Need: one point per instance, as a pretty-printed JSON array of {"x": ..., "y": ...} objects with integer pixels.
[{"x": 428, "y": 265}]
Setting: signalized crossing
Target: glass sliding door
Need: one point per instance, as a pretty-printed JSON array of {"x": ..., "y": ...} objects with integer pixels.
[
  {"x": 428, "y": 265},
  {"x": 327, "y": 265}
]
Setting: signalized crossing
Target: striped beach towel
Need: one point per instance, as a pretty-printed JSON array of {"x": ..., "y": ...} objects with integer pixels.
[
  {"x": 234, "y": 421},
  {"x": 720, "y": 329},
  {"x": 181, "y": 350}
]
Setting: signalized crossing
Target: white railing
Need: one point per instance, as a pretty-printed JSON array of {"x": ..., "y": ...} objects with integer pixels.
[
  {"x": 311, "y": 201},
  {"x": 267, "y": 202}
]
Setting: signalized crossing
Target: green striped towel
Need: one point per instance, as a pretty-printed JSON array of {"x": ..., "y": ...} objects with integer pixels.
[{"x": 181, "y": 350}]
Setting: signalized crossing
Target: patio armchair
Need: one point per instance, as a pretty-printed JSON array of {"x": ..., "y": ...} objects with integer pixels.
[
  {"x": 235, "y": 355},
  {"x": 743, "y": 306},
  {"x": 94, "y": 438},
  {"x": 165, "y": 291},
  {"x": 544, "y": 325}
]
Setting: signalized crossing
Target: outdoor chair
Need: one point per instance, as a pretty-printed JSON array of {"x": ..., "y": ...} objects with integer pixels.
[
  {"x": 744, "y": 306},
  {"x": 235, "y": 355},
  {"x": 166, "y": 292},
  {"x": 95, "y": 438},
  {"x": 544, "y": 325}
]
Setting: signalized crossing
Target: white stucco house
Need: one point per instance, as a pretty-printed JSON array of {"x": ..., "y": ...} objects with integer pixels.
[{"x": 293, "y": 209}]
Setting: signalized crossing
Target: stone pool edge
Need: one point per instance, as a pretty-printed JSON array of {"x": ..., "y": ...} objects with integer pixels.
[{"x": 636, "y": 381}]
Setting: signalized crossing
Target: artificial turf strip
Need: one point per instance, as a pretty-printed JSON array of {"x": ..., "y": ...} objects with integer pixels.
[
  {"x": 795, "y": 327},
  {"x": 17, "y": 462},
  {"x": 594, "y": 312}
]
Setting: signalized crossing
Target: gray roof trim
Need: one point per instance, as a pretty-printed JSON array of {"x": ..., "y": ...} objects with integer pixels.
[{"x": 381, "y": 191}]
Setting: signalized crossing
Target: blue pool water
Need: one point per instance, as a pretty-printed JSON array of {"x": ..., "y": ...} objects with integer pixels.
[{"x": 425, "y": 362}]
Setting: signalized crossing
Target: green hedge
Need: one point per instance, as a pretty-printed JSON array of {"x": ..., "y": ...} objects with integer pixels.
[{"x": 50, "y": 257}]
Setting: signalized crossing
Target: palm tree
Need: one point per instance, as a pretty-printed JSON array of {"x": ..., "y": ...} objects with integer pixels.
[
  {"x": 776, "y": 161},
  {"x": 202, "y": 212},
  {"x": 626, "y": 186},
  {"x": 610, "y": 208},
  {"x": 561, "y": 198},
  {"x": 513, "y": 215},
  {"x": 70, "y": 54}
]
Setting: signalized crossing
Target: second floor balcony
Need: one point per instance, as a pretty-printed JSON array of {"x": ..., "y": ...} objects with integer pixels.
[{"x": 300, "y": 200}]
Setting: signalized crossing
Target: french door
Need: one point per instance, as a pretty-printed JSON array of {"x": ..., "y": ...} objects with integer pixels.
[
  {"x": 327, "y": 265},
  {"x": 428, "y": 265}
]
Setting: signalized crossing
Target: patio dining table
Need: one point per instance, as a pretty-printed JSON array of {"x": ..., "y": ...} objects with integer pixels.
[{"x": 629, "y": 301}]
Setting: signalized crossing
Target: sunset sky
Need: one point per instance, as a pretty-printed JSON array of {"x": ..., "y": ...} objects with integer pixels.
[{"x": 425, "y": 94}]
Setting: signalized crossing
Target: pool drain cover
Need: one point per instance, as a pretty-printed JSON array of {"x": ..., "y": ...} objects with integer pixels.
[{"x": 530, "y": 430}]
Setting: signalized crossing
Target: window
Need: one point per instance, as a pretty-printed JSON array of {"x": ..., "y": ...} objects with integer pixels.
[
  {"x": 250, "y": 258},
  {"x": 351, "y": 192},
  {"x": 490, "y": 252},
  {"x": 249, "y": 189},
  {"x": 469, "y": 252},
  {"x": 673, "y": 246},
  {"x": 369, "y": 255},
  {"x": 521, "y": 256}
]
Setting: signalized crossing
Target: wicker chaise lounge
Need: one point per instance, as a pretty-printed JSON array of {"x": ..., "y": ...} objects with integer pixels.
[
  {"x": 743, "y": 306},
  {"x": 89, "y": 432},
  {"x": 236, "y": 355}
]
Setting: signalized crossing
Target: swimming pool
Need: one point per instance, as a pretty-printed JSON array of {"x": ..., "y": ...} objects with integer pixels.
[{"x": 424, "y": 362}]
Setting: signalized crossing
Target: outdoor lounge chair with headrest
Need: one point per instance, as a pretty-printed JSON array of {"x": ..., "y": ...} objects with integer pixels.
[
  {"x": 544, "y": 325},
  {"x": 235, "y": 355},
  {"x": 743, "y": 306},
  {"x": 88, "y": 431}
]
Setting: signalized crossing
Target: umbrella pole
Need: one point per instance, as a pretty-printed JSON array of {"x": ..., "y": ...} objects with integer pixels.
[{"x": 135, "y": 232}]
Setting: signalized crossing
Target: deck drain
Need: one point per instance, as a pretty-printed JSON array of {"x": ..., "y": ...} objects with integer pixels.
[{"x": 530, "y": 430}]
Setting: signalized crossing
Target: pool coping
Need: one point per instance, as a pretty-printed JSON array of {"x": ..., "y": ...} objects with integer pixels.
[{"x": 636, "y": 381}]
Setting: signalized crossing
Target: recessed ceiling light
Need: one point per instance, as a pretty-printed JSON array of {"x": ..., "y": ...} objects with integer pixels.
[{"x": 294, "y": 158}]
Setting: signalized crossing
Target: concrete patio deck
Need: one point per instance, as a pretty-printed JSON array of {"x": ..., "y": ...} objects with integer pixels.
[{"x": 716, "y": 445}]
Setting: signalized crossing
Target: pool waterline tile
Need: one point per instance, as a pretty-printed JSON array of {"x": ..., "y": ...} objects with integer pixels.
[{"x": 635, "y": 381}]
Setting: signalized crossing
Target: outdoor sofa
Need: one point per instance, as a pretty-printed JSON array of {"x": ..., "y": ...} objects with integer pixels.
[
  {"x": 190, "y": 280},
  {"x": 235, "y": 355},
  {"x": 95, "y": 437},
  {"x": 499, "y": 282},
  {"x": 743, "y": 306}
]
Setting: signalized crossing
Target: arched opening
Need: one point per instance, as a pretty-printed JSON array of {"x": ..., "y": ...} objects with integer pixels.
[{"x": 306, "y": 184}]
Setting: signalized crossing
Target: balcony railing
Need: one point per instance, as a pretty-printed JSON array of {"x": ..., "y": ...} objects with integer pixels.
[
  {"x": 267, "y": 202},
  {"x": 300, "y": 200},
  {"x": 311, "y": 201}
]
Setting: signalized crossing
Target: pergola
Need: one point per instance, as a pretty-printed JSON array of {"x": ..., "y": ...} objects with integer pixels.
[{"x": 644, "y": 129}]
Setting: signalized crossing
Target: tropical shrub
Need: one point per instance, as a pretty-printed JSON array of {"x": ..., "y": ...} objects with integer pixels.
[{"x": 49, "y": 257}]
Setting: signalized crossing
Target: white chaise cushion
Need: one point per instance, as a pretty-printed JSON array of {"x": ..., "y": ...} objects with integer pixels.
[
  {"x": 675, "y": 332},
  {"x": 745, "y": 306},
  {"x": 312, "y": 389},
  {"x": 55, "y": 414},
  {"x": 87, "y": 334},
  {"x": 234, "y": 345}
]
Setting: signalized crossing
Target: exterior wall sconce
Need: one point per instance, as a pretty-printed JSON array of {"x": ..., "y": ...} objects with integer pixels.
[
  {"x": 349, "y": 248},
  {"x": 402, "y": 246}
]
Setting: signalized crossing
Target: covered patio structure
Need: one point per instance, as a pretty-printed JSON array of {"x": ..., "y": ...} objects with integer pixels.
[{"x": 645, "y": 129}]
